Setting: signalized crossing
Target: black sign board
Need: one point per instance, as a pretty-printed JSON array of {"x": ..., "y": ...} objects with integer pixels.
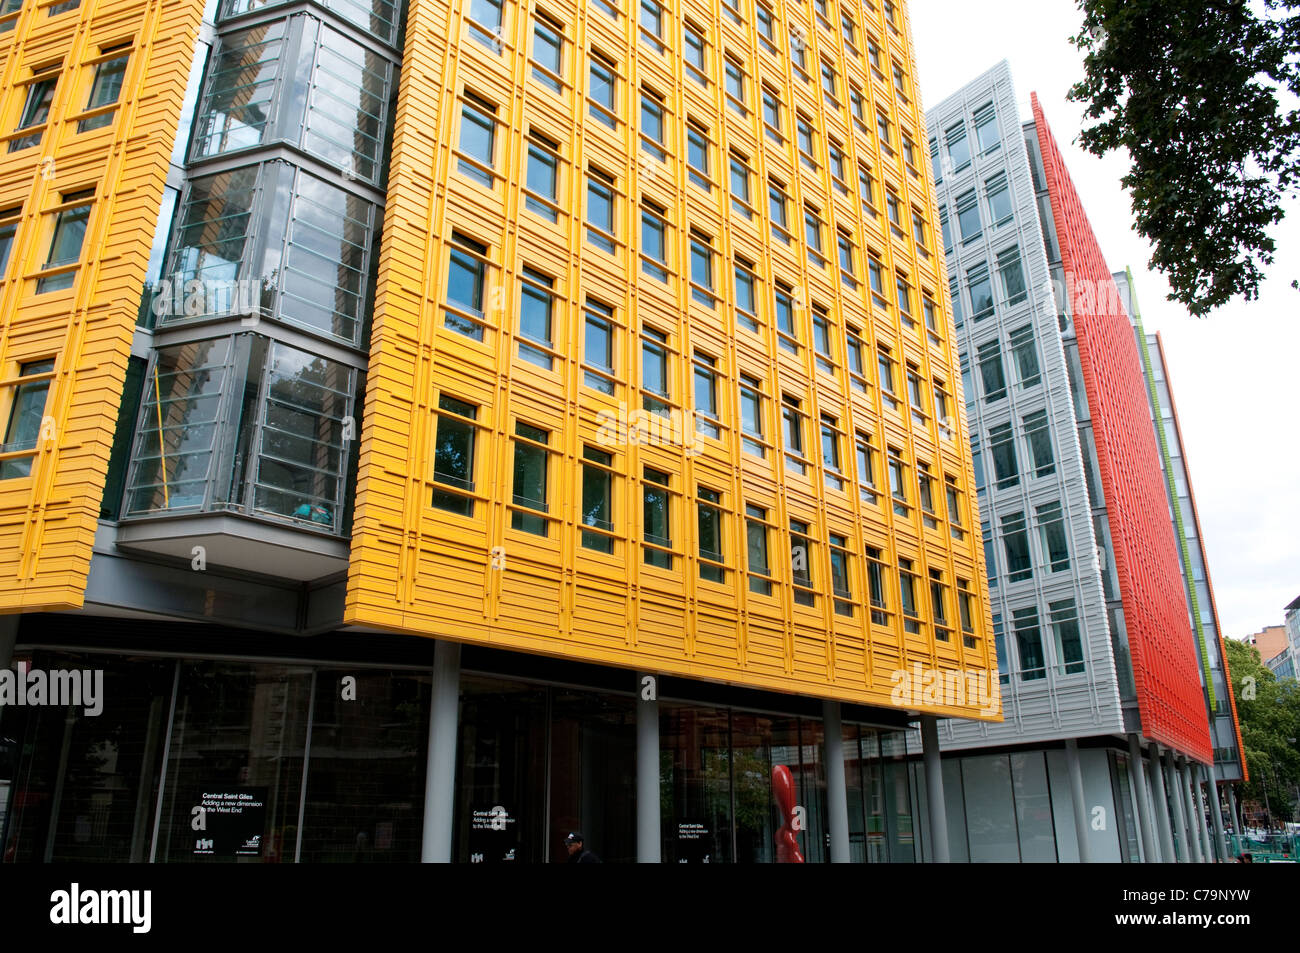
[
  {"x": 694, "y": 842},
  {"x": 493, "y": 835},
  {"x": 226, "y": 821}
]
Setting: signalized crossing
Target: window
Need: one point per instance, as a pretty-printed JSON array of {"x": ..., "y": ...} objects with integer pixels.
[
  {"x": 540, "y": 195},
  {"x": 695, "y": 54},
  {"x": 600, "y": 210},
  {"x": 998, "y": 193},
  {"x": 986, "y": 129},
  {"x": 751, "y": 416},
  {"x": 822, "y": 340},
  {"x": 654, "y": 370},
  {"x": 885, "y": 379},
  {"x": 925, "y": 495},
  {"x": 477, "y": 140},
  {"x": 867, "y": 190},
  {"x": 732, "y": 9},
  {"x": 548, "y": 52},
  {"x": 894, "y": 211},
  {"x": 941, "y": 418},
  {"x": 903, "y": 291},
  {"x": 873, "y": 54},
  {"x": 909, "y": 155},
  {"x": 813, "y": 235},
  {"x": 697, "y": 156},
  {"x": 598, "y": 347},
  {"x": 36, "y": 106},
  {"x": 954, "y": 507},
  {"x": 798, "y": 51},
  {"x": 990, "y": 560},
  {"x": 907, "y": 591},
  {"x": 1002, "y": 447},
  {"x": 766, "y": 22},
  {"x": 465, "y": 280},
  {"x": 597, "y": 500},
  {"x": 66, "y": 7},
  {"x": 536, "y": 308},
  {"x": 1029, "y": 640},
  {"x": 945, "y": 230},
  {"x": 898, "y": 482},
  {"x": 1052, "y": 534},
  {"x": 966, "y": 613},
  {"x": 610, "y": 10},
  {"x": 876, "y": 587},
  {"x": 652, "y": 24},
  {"x": 916, "y": 395},
  {"x": 981, "y": 292},
  {"x": 844, "y": 243},
  {"x": 939, "y": 606},
  {"x": 1065, "y": 630},
  {"x": 831, "y": 453},
  {"x": 706, "y": 397},
  {"x": 777, "y": 210},
  {"x": 968, "y": 216},
  {"x": 830, "y": 83},
  {"x": 604, "y": 79},
  {"x": 840, "y": 584},
  {"x": 883, "y": 133},
  {"x": 9, "y": 219},
  {"x": 453, "y": 461},
  {"x": 990, "y": 362},
  {"x": 958, "y": 146},
  {"x": 806, "y": 140},
  {"x": 930, "y": 312},
  {"x": 652, "y": 126},
  {"x": 702, "y": 269},
  {"x": 1038, "y": 435},
  {"x": 70, "y": 224},
  {"x": 900, "y": 82},
  {"x": 866, "y": 468},
  {"x": 835, "y": 159},
  {"x": 958, "y": 318},
  {"x": 787, "y": 335},
  {"x": 760, "y": 572},
  {"x": 918, "y": 232},
  {"x": 735, "y": 83},
  {"x": 485, "y": 22},
  {"x": 654, "y": 242},
  {"x": 849, "y": 29},
  {"x": 709, "y": 521},
  {"x": 528, "y": 514},
  {"x": 801, "y": 559},
  {"x": 772, "y": 115},
  {"x": 746, "y": 309},
  {"x": 793, "y": 420},
  {"x": 853, "y": 349},
  {"x": 1015, "y": 540},
  {"x": 657, "y": 531},
  {"x": 105, "y": 90},
  {"x": 858, "y": 106},
  {"x": 26, "y": 416},
  {"x": 740, "y": 186},
  {"x": 1012, "y": 273},
  {"x": 1025, "y": 355}
]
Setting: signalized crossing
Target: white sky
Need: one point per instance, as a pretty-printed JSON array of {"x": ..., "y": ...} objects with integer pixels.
[{"x": 1231, "y": 373}]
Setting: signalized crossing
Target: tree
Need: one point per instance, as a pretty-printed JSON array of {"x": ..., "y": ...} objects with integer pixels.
[
  {"x": 1191, "y": 89},
  {"x": 1269, "y": 709}
]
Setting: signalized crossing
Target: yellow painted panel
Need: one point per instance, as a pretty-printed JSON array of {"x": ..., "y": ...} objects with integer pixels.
[{"x": 652, "y": 603}]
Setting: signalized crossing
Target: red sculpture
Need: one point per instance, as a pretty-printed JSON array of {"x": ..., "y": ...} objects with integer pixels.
[{"x": 787, "y": 844}]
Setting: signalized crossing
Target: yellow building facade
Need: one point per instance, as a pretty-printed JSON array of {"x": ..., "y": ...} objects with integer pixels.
[{"x": 663, "y": 373}]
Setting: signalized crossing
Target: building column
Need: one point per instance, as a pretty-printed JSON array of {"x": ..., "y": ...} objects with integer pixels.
[
  {"x": 1189, "y": 806},
  {"x": 837, "y": 790},
  {"x": 1202, "y": 800},
  {"x": 440, "y": 768},
  {"x": 1178, "y": 808},
  {"x": 1216, "y": 811},
  {"x": 1076, "y": 792},
  {"x": 1161, "y": 806},
  {"x": 649, "y": 840},
  {"x": 935, "y": 801},
  {"x": 1139, "y": 778},
  {"x": 1232, "y": 811}
]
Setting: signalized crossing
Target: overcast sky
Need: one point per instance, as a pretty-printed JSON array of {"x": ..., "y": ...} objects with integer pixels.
[{"x": 1234, "y": 374}]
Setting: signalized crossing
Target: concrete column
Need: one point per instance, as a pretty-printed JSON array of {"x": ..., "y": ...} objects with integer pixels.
[
  {"x": 1076, "y": 793},
  {"x": 1161, "y": 806},
  {"x": 1232, "y": 811},
  {"x": 1216, "y": 811},
  {"x": 1189, "y": 806},
  {"x": 939, "y": 850},
  {"x": 1178, "y": 808},
  {"x": 837, "y": 790},
  {"x": 440, "y": 769},
  {"x": 1202, "y": 801},
  {"x": 1138, "y": 776},
  {"x": 649, "y": 842}
]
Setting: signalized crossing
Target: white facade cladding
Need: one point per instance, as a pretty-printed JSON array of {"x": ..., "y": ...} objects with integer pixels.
[{"x": 1049, "y": 606}]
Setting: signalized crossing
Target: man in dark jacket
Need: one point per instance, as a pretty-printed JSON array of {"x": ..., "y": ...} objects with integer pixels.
[{"x": 578, "y": 854}]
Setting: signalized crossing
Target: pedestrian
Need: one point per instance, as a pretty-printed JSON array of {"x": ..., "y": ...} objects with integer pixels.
[{"x": 578, "y": 853}]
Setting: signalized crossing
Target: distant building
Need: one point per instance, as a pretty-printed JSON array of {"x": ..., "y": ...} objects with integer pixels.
[{"x": 1270, "y": 640}]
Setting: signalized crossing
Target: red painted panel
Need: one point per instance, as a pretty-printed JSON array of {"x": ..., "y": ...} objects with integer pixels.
[{"x": 1163, "y": 648}]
